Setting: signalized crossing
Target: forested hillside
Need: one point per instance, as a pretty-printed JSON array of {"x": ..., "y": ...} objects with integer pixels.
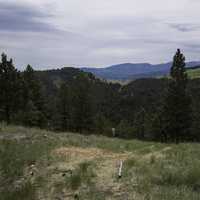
[{"x": 69, "y": 99}]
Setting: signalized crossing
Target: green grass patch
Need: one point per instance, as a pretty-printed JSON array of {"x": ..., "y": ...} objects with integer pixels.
[{"x": 193, "y": 73}]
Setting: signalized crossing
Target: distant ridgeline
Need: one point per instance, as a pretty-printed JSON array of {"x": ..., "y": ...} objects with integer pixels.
[
  {"x": 129, "y": 71},
  {"x": 70, "y": 99}
]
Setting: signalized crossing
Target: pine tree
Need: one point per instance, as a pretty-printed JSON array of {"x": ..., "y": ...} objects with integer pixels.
[
  {"x": 177, "y": 110},
  {"x": 139, "y": 123},
  {"x": 82, "y": 103},
  {"x": 65, "y": 107},
  {"x": 31, "y": 115},
  {"x": 10, "y": 88},
  {"x": 158, "y": 132},
  {"x": 33, "y": 100}
]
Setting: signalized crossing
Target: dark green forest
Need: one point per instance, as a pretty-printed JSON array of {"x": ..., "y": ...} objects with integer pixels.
[{"x": 68, "y": 99}]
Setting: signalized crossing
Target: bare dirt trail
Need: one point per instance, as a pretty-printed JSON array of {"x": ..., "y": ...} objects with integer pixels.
[
  {"x": 73, "y": 156},
  {"x": 106, "y": 165}
]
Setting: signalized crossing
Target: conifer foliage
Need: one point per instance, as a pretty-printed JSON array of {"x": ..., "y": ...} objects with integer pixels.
[
  {"x": 177, "y": 104},
  {"x": 10, "y": 92},
  {"x": 65, "y": 107},
  {"x": 33, "y": 100}
]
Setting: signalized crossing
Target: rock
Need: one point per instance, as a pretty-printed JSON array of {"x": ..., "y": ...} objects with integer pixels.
[
  {"x": 76, "y": 196},
  {"x": 31, "y": 173}
]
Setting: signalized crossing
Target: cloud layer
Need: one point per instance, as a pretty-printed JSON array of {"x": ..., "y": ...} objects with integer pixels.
[{"x": 56, "y": 33}]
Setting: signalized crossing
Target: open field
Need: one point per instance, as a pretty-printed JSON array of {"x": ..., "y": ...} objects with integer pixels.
[{"x": 37, "y": 164}]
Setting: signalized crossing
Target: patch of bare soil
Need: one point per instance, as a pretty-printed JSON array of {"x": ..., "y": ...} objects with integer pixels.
[
  {"x": 106, "y": 165},
  {"x": 106, "y": 168},
  {"x": 72, "y": 156}
]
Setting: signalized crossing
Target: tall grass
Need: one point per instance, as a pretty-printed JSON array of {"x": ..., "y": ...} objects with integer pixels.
[
  {"x": 151, "y": 172},
  {"x": 26, "y": 192},
  {"x": 15, "y": 157},
  {"x": 84, "y": 174}
]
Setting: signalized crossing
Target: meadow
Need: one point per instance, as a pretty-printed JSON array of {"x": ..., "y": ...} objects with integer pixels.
[{"x": 39, "y": 164}]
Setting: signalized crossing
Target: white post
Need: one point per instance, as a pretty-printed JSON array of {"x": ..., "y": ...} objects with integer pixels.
[
  {"x": 120, "y": 169},
  {"x": 113, "y": 132}
]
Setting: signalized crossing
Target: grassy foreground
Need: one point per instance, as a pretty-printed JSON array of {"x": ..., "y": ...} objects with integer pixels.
[{"x": 37, "y": 164}]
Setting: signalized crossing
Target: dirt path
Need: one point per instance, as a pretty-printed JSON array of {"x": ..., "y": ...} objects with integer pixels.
[
  {"x": 74, "y": 156},
  {"x": 106, "y": 166}
]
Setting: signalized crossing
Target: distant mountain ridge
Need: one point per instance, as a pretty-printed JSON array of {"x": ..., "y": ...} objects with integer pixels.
[{"x": 131, "y": 71}]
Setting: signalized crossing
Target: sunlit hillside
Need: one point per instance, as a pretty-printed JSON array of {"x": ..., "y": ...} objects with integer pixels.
[{"x": 194, "y": 73}]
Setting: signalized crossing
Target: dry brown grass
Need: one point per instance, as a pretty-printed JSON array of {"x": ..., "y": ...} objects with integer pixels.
[
  {"x": 66, "y": 166},
  {"x": 106, "y": 167}
]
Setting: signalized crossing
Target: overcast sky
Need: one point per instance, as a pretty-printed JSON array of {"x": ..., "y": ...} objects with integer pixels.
[{"x": 57, "y": 33}]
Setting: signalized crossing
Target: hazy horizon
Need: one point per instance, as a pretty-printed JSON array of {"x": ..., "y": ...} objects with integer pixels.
[{"x": 91, "y": 33}]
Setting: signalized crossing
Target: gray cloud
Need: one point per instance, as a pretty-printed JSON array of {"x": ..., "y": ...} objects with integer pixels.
[
  {"x": 192, "y": 47},
  {"x": 185, "y": 27},
  {"x": 16, "y": 17},
  {"x": 55, "y": 33}
]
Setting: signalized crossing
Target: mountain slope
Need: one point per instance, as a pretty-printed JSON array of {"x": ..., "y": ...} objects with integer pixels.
[{"x": 130, "y": 71}]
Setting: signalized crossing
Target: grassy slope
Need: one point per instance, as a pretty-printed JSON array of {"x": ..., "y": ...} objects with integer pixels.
[
  {"x": 36, "y": 164},
  {"x": 194, "y": 73}
]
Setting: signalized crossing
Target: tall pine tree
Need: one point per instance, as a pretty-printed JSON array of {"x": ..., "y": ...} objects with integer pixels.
[
  {"x": 65, "y": 107},
  {"x": 33, "y": 100},
  {"x": 10, "y": 88},
  {"x": 177, "y": 110},
  {"x": 82, "y": 103}
]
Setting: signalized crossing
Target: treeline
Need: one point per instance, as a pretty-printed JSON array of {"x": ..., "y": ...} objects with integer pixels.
[
  {"x": 68, "y": 99},
  {"x": 21, "y": 97}
]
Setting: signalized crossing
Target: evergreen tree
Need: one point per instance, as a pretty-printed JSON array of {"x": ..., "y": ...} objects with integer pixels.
[
  {"x": 177, "y": 111},
  {"x": 31, "y": 115},
  {"x": 82, "y": 103},
  {"x": 139, "y": 123},
  {"x": 65, "y": 107},
  {"x": 157, "y": 131},
  {"x": 10, "y": 88},
  {"x": 102, "y": 125},
  {"x": 33, "y": 100}
]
